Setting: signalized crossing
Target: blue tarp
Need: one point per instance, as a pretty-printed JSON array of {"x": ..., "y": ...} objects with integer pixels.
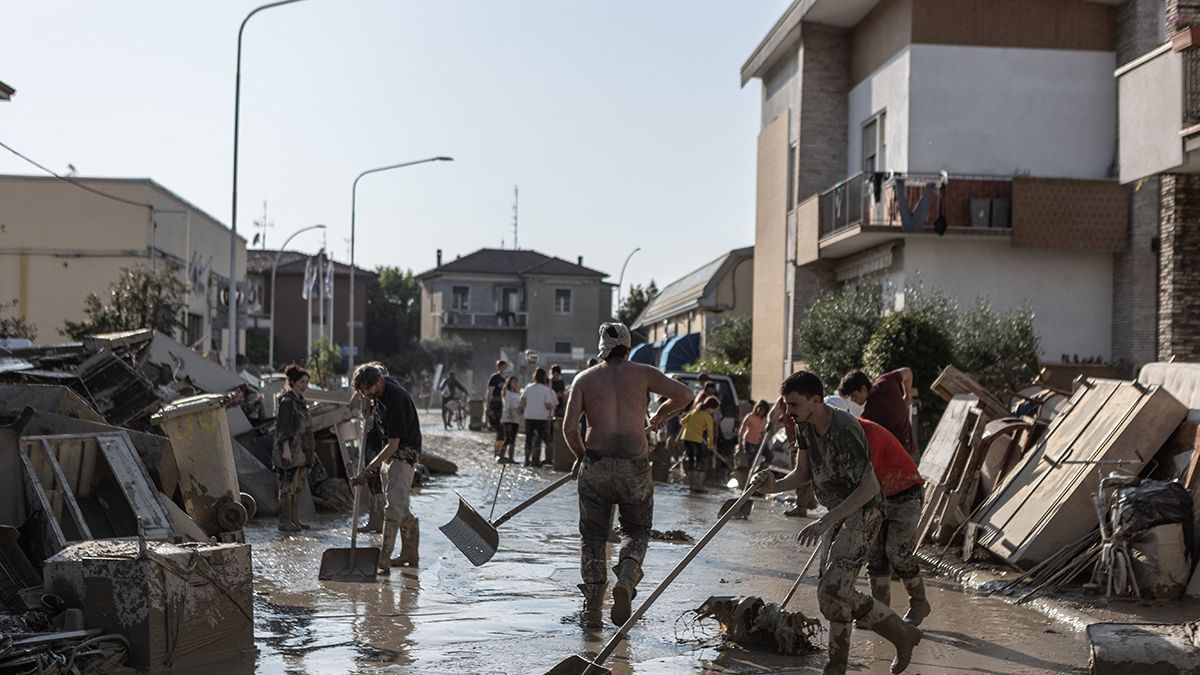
[
  {"x": 644, "y": 353},
  {"x": 678, "y": 352}
]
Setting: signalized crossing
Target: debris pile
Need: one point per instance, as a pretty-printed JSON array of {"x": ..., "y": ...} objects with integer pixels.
[{"x": 751, "y": 621}]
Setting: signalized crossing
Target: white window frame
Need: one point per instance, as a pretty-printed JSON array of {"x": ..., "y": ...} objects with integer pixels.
[{"x": 570, "y": 295}]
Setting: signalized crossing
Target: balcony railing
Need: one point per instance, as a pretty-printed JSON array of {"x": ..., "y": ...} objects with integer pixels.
[
  {"x": 1191, "y": 87},
  {"x": 916, "y": 202},
  {"x": 458, "y": 319}
]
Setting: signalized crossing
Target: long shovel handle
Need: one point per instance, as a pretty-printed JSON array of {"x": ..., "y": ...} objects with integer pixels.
[
  {"x": 662, "y": 585},
  {"x": 362, "y": 450},
  {"x": 498, "y": 484},
  {"x": 811, "y": 558},
  {"x": 529, "y": 502}
]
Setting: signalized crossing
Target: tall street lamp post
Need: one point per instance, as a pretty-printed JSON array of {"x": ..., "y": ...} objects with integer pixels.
[
  {"x": 353, "y": 207},
  {"x": 237, "y": 103},
  {"x": 621, "y": 279},
  {"x": 275, "y": 268}
]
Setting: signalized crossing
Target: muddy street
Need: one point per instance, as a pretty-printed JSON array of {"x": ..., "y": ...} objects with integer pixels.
[{"x": 518, "y": 613}]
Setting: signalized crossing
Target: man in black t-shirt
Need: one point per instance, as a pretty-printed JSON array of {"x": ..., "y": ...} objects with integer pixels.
[
  {"x": 495, "y": 403},
  {"x": 393, "y": 416},
  {"x": 560, "y": 389}
]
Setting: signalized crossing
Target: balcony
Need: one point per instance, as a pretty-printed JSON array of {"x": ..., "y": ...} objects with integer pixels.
[
  {"x": 1159, "y": 112},
  {"x": 483, "y": 320}
]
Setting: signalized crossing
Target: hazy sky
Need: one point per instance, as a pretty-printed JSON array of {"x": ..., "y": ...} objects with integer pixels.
[{"x": 621, "y": 121}]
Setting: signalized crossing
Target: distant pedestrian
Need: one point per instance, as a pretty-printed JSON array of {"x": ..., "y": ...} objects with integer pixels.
[
  {"x": 537, "y": 405},
  {"x": 295, "y": 446},
  {"x": 510, "y": 418},
  {"x": 493, "y": 395},
  {"x": 450, "y": 389},
  {"x": 751, "y": 435},
  {"x": 887, "y": 402},
  {"x": 699, "y": 438},
  {"x": 559, "y": 385}
]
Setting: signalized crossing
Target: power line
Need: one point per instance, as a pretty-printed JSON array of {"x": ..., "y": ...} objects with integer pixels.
[{"x": 74, "y": 182}]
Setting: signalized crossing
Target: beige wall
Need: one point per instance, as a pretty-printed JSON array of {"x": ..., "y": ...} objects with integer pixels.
[
  {"x": 61, "y": 242},
  {"x": 770, "y": 235}
]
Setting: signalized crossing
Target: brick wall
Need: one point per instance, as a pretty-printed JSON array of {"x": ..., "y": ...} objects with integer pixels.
[
  {"x": 1070, "y": 214},
  {"x": 824, "y": 88},
  {"x": 1179, "y": 275}
]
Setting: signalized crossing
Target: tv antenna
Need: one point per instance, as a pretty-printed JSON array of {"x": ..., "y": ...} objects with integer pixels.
[
  {"x": 516, "y": 204},
  {"x": 262, "y": 225}
]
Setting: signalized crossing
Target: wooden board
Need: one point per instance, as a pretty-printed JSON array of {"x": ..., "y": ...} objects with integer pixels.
[
  {"x": 135, "y": 484},
  {"x": 1047, "y": 499},
  {"x": 947, "y": 437},
  {"x": 952, "y": 382}
]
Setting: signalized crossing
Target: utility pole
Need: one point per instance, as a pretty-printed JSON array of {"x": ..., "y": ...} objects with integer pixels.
[{"x": 516, "y": 203}]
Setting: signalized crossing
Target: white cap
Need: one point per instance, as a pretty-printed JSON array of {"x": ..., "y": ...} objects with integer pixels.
[{"x": 613, "y": 335}]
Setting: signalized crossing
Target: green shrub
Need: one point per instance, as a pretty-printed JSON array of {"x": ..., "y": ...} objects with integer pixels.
[
  {"x": 999, "y": 349},
  {"x": 738, "y": 372},
  {"x": 835, "y": 329},
  {"x": 915, "y": 340}
]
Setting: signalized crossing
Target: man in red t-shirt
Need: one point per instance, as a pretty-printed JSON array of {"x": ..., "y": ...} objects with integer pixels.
[
  {"x": 887, "y": 402},
  {"x": 895, "y": 546}
]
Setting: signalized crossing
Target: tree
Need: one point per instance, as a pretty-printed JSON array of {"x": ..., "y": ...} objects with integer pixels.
[
  {"x": 451, "y": 351},
  {"x": 15, "y": 326},
  {"x": 325, "y": 359},
  {"x": 732, "y": 339},
  {"x": 639, "y": 296},
  {"x": 140, "y": 298},
  {"x": 394, "y": 305},
  {"x": 835, "y": 329}
]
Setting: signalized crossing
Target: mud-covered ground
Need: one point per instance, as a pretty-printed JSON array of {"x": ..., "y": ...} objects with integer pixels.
[{"x": 519, "y": 612}]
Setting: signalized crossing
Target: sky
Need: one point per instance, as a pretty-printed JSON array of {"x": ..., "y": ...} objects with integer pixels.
[{"x": 622, "y": 121}]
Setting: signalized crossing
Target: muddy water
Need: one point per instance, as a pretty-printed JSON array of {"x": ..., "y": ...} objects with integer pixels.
[{"x": 518, "y": 613}]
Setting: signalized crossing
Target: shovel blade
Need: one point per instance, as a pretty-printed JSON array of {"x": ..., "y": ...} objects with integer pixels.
[
  {"x": 349, "y": 564},
  {"x": 577, "y": 665},
  {"x": 742, "y": 513},
  {"x": 472, "y": 534}
]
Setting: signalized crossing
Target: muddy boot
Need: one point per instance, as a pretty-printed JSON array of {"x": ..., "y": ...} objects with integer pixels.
[
  {"x": 796, "y": 512},
  {"x": 296, "y": 514},
  {"x": 888, "y": 625},
  {"x": 593, "y": 605},
  {"x": 498, "y": 450},
  {"x": 881, "y": 590},
  {"x": 375, "y": 518},
  {"x": 918, "y": 606},
  {"x": 839, "y": 648},
  {"x": 410, "y": 539},
  {"x": 385, "y": 549},
  {"x": 696, "y": 480},
  {"x": 286, "y": 524},
  {"x": 629, "y": 573}
]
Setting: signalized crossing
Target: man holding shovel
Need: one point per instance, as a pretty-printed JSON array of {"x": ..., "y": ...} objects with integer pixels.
[
  {"x": 613, "y": 466},
  {"x": 396, "y": 414},
  {"x": 837, "y": 461}
]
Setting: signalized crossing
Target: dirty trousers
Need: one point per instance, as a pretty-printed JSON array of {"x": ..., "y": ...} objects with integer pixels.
[
  {"x": 836, "y": 596},
  {"x": 397, "y": 480},
  {"x": 603, "y": 484},
  {"x": 895, "y": 547},
  {"x": 291, "y": 481}
]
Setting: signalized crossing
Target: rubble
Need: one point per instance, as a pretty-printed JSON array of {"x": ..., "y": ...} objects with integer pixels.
[{"x": 751, "y": 621}]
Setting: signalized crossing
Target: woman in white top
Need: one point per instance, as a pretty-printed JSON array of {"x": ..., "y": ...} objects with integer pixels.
[{"x": 510, "y": 418}]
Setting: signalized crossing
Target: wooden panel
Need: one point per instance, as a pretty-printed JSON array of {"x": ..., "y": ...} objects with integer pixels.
[
  {"x": 138, "y": 490},
  {"x": 939, "y": 454},
  {"x": 87, "y": 468},
  {"x": 951, "y": 382},
  {"x": 1048, "y": 499}
]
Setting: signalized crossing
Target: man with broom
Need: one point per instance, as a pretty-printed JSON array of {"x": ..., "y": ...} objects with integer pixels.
[
  {"x": 837, "y": 462},
  {"x": 613, "y": 466}
]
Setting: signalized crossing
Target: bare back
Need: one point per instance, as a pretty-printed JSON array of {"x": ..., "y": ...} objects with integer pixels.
[{"x": 614, "y": 395}]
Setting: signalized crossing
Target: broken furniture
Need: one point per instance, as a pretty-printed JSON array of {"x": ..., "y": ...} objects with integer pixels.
[
  {"x": 952, "y": 382},
  {"x": 178, "y": 606},
  {"x": 1144, "y": 649},
  {"x": 207, "y": 474}
]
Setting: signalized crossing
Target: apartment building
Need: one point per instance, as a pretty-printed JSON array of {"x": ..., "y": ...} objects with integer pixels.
[
  {"x": 510, "y": 303},
  {"x": 62, "y": 239},
  {"x": 968, "y": 145},
  {"x": 683, "y": 314}
]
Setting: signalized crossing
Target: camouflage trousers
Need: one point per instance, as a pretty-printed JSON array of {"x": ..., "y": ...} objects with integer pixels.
[
  {"x": 606, "y": 483},
  {"x": 291, "y": 481},
  {"x": 895, "y": 547},
  {"x": 836, "y": 596}
]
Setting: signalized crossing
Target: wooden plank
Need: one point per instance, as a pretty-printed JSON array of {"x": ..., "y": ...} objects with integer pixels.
[
  {"x": 87, "y": 468},
  {"x": 52, "y": 530},
  {"x": 69, "y": 455},
  {"x": 947, "y": 437},
  {"x": 67, "y": 496},
  {"x": 41, "y": 470},
  {"x": 118, "y": 452},
  {"x": 952, "y": 382}
]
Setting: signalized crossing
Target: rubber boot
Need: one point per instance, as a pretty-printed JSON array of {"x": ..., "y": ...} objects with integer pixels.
[
  {"x": 296, "y": 513},
  {"x": 498, "y": 450},
  {"x": 881, "y": 590},
  {"x": 375, "y": 519},
  {"x": 629, "y": 573},
  {"x": 918, "y": 606},
  {"x": 593, "y": 605},
  {"x": 839, "y": 648},
  {"x": 888, "y": 625},
  {"x": 410, "y": 540},
  {"x": 696, "y": 480},
  {"x": 385, "y": 549},
  {"x": 286, "y": 524}
]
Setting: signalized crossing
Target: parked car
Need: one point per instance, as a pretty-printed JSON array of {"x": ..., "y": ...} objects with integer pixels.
[{"x": 730, "y": 405}]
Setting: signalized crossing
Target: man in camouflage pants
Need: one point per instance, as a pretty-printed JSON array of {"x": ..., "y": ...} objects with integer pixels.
[
  {"x": 614, "y": 467},
  {"x": 837, "y": 461}
]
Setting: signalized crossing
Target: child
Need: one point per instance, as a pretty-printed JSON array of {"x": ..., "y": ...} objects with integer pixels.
[{"x": 510, "y": 418}]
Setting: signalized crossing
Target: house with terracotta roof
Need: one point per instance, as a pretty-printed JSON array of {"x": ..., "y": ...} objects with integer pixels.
[{"x": 511, "y": 304}]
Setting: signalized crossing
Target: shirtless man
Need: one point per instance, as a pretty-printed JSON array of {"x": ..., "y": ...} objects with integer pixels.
[{"x": 613, "y": 466}]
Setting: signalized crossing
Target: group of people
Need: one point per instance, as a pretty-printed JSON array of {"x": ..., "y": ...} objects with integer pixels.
[{"x": 538, "y": 404}]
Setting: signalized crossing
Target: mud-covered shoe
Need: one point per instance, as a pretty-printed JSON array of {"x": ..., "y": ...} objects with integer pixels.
[
  {"x": 629, "y": 573},
  {"x": 889, "y": 626},
  {"x": 881, "y": 590},
  {"x": 839, "y": 648},
  {"x": 592, "y": 615},
  {"x": 796, "y": 512},
  {"x": 918, "y": 605}
]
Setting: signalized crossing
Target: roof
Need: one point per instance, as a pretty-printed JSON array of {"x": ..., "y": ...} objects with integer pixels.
[
  {"x": 694, "y": 290},
  {"x": 6, "y": 92},
  {"x": 513, "y": 262},
  {"x": 259, "y": 261}
]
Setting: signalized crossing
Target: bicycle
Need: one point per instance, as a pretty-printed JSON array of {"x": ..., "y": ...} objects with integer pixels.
[{"x": 452, "y": 413}]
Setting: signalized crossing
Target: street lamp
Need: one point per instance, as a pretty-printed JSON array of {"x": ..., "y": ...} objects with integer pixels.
[
  {"x": 353, "y": 206},
  {"x": 274, "y": 268},
  {"x": 621, "y": 280},
  {"x": 237, "y": 104}
]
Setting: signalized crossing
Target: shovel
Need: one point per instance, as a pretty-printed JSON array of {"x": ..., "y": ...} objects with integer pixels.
[
  {"x": 577, "y": 665},
  {"x": 747, "y": 506},
  {"x": 352, "y": 564},
  {"x": 822, "y": 546},
  {"x": 477, "y": 537}
]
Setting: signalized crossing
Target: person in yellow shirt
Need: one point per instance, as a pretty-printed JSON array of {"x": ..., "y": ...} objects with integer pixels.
[{"x": 699, "y": 438}]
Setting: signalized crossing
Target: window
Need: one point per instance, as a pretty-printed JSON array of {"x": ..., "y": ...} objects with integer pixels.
[
  {"x": 562, "y": 301},
  {"x": 562, "y": 347},
  {"x": 460, "y": 298},
  {"x": 874, "y": 144},
  {"x": 791, "y": 177},
  {"x": 194, "y": 330}
]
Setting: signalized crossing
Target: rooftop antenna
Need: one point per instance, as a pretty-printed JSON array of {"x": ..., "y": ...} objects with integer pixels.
[
  {"x": 516, "y": 203},
  {"x": 262, "y": 225}
]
